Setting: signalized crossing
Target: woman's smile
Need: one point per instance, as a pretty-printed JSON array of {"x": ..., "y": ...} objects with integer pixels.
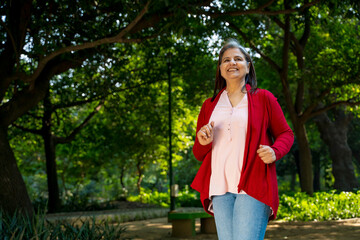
[{"x": 234, "y": 65}]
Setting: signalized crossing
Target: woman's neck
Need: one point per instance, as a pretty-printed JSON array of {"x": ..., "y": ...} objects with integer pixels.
[{"x": 235, "y": 87}]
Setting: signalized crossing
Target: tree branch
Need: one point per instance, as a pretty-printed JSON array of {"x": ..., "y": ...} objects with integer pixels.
[
  {"x": 259, "y": 10},
  {"x": 71, "y": 137},
  {"x": 34, "y": 115},
  {"x": 81, "y": 102},
  {"x": 27, "y": 98},
  {"x": 85, "y": 122},
  {"x": 349, "y": 102},
  {"x": 16, "y": 22},
  {"x": 265, "y": 5},
  {"x": 306, "y": 34},
  {"x": 12, "y": 40},
  {"x": 285, "y": 54},
  {"x": 116, "y": 39},
  {"x": 34, "y": 131},
  {"x": 76, "y": 103},
  {"x": 292, "y": 35},
  {"x": 253, "y": 46},
  {"x": 315, "y": 104},
  {"x": 284, "y": 72},
  {"x": 299, "y": 44}
]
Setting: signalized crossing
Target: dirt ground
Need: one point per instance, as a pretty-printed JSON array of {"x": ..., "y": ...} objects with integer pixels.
[
  {"x": 349, "y": 229},
  {"x": 159, "y": 228}
]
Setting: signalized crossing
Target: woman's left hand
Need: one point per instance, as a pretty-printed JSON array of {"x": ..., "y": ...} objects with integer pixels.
[{"x": 266, "y": 154}]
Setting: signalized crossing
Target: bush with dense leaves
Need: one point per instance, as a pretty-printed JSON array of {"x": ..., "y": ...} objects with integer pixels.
[
  {"x": 185, "y": 198},
  {"x": 321, "y": 206},
  {"x": 19, "y": 227},
  {"x": 298, "y": 206}
]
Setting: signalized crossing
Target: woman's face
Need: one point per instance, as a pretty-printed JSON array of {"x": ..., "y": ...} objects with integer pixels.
[{"x": 234, "y": 66}]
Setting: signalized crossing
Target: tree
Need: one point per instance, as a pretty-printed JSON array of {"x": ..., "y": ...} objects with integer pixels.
[
  {"x": 338, "y": 69},
  {"x": 50, "y": 142},
  {"x": 56, "y": 125},
  {"x": 335, "y": 134},
  {"x": 43, "y": 39}
]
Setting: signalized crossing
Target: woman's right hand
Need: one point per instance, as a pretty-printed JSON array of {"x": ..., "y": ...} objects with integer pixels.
[{"x": 205, "y": 135}]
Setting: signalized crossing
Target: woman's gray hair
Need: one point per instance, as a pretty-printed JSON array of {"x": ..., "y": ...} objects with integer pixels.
[{"x": 250, "y": 78}]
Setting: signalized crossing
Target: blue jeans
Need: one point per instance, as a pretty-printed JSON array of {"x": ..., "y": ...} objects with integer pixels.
[{"x": 240, "y": 217}]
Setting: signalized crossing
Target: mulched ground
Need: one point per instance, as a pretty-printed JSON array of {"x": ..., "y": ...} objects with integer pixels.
[{"x": 349, "y": 229}]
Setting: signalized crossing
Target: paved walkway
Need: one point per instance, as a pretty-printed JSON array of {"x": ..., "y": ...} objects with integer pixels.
[{"x": 114, "y": 215}]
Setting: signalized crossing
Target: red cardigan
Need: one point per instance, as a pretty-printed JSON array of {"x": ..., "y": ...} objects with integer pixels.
[{"x": 266, "y": 122}]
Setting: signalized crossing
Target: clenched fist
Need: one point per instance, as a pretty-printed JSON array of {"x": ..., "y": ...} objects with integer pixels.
[
  {"x": 206, "y": 135},
  {"x": 266, "y": 154}
]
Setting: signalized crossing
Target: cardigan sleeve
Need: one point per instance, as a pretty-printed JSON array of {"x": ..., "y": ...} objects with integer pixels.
[
  {"x": 199, "y": 150},
  {"x": 279, "y": 128}
]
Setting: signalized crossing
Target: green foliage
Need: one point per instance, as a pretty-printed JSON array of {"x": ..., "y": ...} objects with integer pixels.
[
  {"x": 321, "y": 206},
  {"x": 299, "y": 206},
  {"x": 189, "y": 198},
  {"x": 185, "y": 198},
  {"x": 152, "y": 197},
  {"x": 18, "y": 227}
]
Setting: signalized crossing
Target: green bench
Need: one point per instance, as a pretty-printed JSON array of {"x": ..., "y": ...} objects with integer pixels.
[{"x": 183, "y": 223}]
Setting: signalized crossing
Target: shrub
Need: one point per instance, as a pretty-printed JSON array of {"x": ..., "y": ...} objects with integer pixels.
[
  {"x": 319, "y": 207},
  {"x": 298, "y": 206},
  {"x": 185, "y": 198},
  {"x": 151, "y": 197},
  {"x": 189, "y": 198},
  {"x": 19, "y": 227}
]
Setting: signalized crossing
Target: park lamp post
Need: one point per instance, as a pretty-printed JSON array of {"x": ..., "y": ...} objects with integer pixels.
[{"x": 173, "y": 187}]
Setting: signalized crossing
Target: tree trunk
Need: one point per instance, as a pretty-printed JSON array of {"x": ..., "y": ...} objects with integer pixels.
[
  {"x": 122, "y": 175},
  {"x": 305, "y": 159},
  {"x": 54, "y": 202},
  {"x": 293, "y": 175},
  {"x": 317, "y": 173},
  {"x": 356, "y": 154},
  {"x": 334, "y": 134},
  {"x": 13, "y": 194},
  {"x": 306, "y": 172},
  {"x": 140, "y": 176}
]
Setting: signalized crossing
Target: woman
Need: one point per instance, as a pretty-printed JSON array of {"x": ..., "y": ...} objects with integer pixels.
[{"x": 241, "y": 133}]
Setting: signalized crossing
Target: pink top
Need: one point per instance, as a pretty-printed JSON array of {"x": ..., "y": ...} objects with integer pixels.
[{"x": 230, "y": 127}]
